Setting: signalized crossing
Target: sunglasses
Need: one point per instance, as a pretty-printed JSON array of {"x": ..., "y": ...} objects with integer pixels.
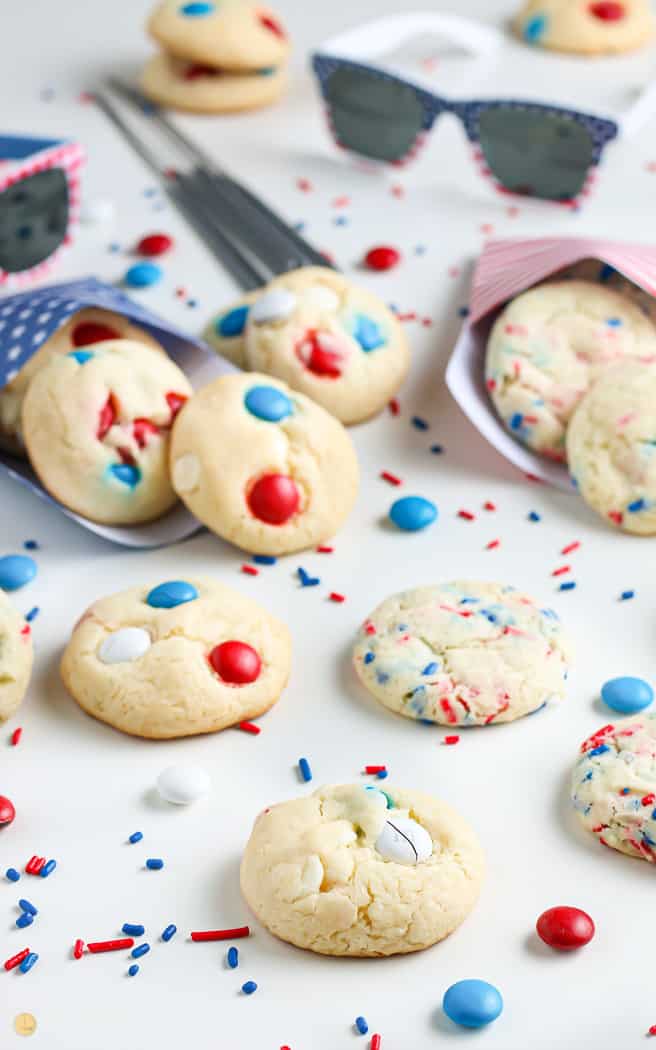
[
  {"x": 39, "y": 193},
  {"x": 526, "y": 148}
]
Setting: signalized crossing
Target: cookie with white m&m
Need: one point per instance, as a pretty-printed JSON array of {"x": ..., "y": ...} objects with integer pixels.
[
  {"x": 614, "y": 786},
  {"x": 611, "y": 448},
  {"x": 263, "y": 466},
  {"x": 356, "y": 871},
  {"x": 589, "y": 27},
  {"x": 96, "y": 423},
  {"x": 549, "y": 345},
  {"x": 324, "y": 336},
  {"x": 231, "y": 34},
  {"x": 463, "y": 654},
  {"x": 176, "y": 658}
]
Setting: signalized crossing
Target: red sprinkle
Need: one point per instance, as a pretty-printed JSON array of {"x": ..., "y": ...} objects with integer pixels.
[
  {"x": 562, "y": 570},
  {"x": 382, "y": 257},
  {"x": 336, "y": 597},
  {"x": 571, "y": 547},
  {"x": 78, "y": 949},
  {"x": 392, "y": 478},
  {"x": 492, "y": 544},
  {"x": 221, "y": 935},
  {"x": 489, "y": 505},
  {"x": 34, "y": 865},
  {"x": 250, "y": 570},
  {"x": 375, "y": 1043},
  {"x": 16, "y": 735},
  {"x": 394, "y": 406},
  {"x": 451, "y": 740},
  {"x": 467, "y": 515},
  {"x": 96, "y": 947},
  {"x": 269, "y": 22},
  {"x": 375, "y": 769},
  {"x": 325, "y": 550},
  {"x": 249, "y": 727},
  {"x": 16, "y": 960},
  {"x": 649, "y": 799},
  {"x": 154, "y": 244}
]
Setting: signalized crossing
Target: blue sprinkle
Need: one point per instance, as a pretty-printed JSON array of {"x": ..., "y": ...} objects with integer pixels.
[
  {"x": 233, "y": 958},
  {"x": 126, "y": 473},
  {"x": 196, "y": 9},
  {"x": 382, "y": 775},
  {"x": 143, "y": 275},
  {"x": 31, "y": 545},
  {"x": 463, "y": 311},
  {"x": 133, "y": 970},
  {"x": 569, "y": 586},
  {"x": 626, "y": 596},
  {"x": 419, "y": 423},
  {"x": 232, "y": 323},
  {"x": 361, "y": 1025},
  {"x": 249, "y": 987},
  {"x": 192, "y": 303},
  {"x": 136, "y": 836},
  {"x": 369, "y": 658},
  {"x": 81, "y": 356},
  {"x": 154, "y": 864},
  {"x": 382, "y": 677},
  {"x": 264, "y": 559},
  {"x": 141, "y": 949},
  {"x": 304, "y": 767},
  {"x": 27, "y": 906},
  {"x": 614, "y": 322},
  {"x": 535, "y": 28},
  {"x": 437, "y": 450},
  {"x": 306, "y": 579},
  {"x": 516, "y": 421},
  {"x": 601, "y": 750},
  {"x": 15, "y": 571},
  {"x": 169, "y": 932},
  {"x": 625, "y": 791},
  {"x": 268, "y": 404},
  {"x": 113, "y": 248},
  {"x": 413, "y": 513},
  {"x": 606, "y": 273},
  {"x": 28, "y": 962},
  {"x": 23, "y": 920},
  {"x": 430, "y": 668},
  {"x": 48, "y": 869},
  {"x": 12, "y": 874},
  {"x": 32, "y": 614},
  {"x": 368, "y": 334},
  {"x": 342, "y": 220},
  {"x": 534, "y": 516},
  {"x": 171, "y": 594},
  {"x": 133, "y": 929},
  {"x": 637, "y": 505}
]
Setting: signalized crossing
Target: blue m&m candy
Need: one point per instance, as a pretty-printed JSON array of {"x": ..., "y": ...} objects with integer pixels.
[
  {"x": 413, "y": 513},
  {"x": 81, "y": 356},
  {"x": 143, "y": 275},
  {"x": 168, "y": 595},
  {"x": 627, "y": 695},
  {"x": 232, "y": 323},
  {"x": 126, "y": 473},
  {"x": 472, "y": 1003},
  {"x": 15, "y": 571},
  {"x": 268, "y": 403},
  {"x": 197, "y": 9},
  {"x": 368, "y": 334}
]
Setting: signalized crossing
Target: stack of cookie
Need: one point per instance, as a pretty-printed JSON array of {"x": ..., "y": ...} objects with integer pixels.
[{"x": 216, "y": 57}]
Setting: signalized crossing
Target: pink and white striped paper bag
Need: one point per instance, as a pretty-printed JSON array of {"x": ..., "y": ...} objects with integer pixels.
[{"x": 504, "y": 269}]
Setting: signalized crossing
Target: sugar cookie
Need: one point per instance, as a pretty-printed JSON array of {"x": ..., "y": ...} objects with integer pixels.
[
  {"x": 333, "y": 341},
  {"x": 462, "y": 654},
  {"x": 15, "y": 657},
  {"x": 96, "y": 424},
  {"x": 614, "y": 786},
  {"x": 352, "y": 870},
  {"x": 183, "y": 85},
  {"x": 263, "y": 466},
  {"x": 176, "y": 658},
  {"x": 83, "y": 328},
  {"x": 590, "y": 27},
  {"x": 232, "y": 34},
  {"x": 549, "y": 345},
  {"x": 611, "y": 448}
]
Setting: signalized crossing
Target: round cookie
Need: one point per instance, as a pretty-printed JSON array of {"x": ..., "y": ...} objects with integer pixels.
[
  {"x": 182, "y": 85},
  {"x": 83, "y": 328},
  {"x": 96, "y": 424},
  {"x": 462, "y": 654},
  {"x": 231, "y": 34},
  {"x": 589, "y": 27},
  {"x": 176, "y": 659},
  {"x": 15, "y": 657},
  {"x": 614, "y": 786},
  {"x": 333, "y": 341},
  {"x": 352, "y": 870},
  {"x": 547, "y": 348},
  {"x": 611, "y": 448},
  {"x": 262, "y": 466}
]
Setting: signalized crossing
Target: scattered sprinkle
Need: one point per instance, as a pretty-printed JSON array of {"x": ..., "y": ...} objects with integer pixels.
[
  {"x": 249, "y": 727},
  {"x": 201, "y": 936},
  {"x": 304, "y": 769},
  {"x": 335, "y": 596},
  {"x": 15, "y": 960},
  {"x": 382, "y": 775},
  {"x": 534, "y": 516},
  {"x": 233, "y": 958},
  {"x": 374, "y": 769},
  {"x": 419, "y": 423},
  {"x": 626, "y": 596},
  {"x": 98, "y": 947},
  {"x": 28, "y": 962},
  {"x": 16, "y": 735},
  {"x": 31, "y": 545},
  {"x": 437, "y": 450},
  {"x": 136, "y": 836},
  {"x": 133, "y": 929},
  {"x": 306, "y": 579},
  {"x": 12, "y": 874},
  {"x": 169, "y": 932},
  {"x": 466, "y": 515},
  {"x": 492, "y": 545},
  {"x": 264, "y": 559},
  {"x": 48, "y": 869},
  {"x": 133, "y": 970},
  {"x": 27, "y": 906},
  {"x": 250, "y": 570},
  {"x": 562, "y": 571},
  {"x": 325, "y": 550},
  {"x": 141, "y": 949},
  {"x": 391, "y": 478},
  {"x": 375, "y": 1043},
  {"x": 449, "y": 741},
  {"x": 568, "y": 586},
  {"x": 489, "y": 505},
  {"x": 571, "y": 547},
  {"x": 361, "y": 1025},
  {"x": 249, "y": 987},
  {"x": 154, "y": 864},
  {"x": 394, "y": 406},
  {"x": 32, "y": 614},
  {"x": 78, "y": 948}
]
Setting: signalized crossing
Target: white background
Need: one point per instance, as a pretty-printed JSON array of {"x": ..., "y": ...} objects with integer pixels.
[{"x": 81, "y": 788}]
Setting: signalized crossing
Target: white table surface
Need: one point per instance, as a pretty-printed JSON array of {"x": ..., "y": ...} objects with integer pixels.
[{"x": 81, "y": 788}]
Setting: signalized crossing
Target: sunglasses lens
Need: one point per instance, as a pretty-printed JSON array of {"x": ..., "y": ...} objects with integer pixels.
[
  {"x": 33, "y": 219},
  {"x": 372, "y": 115},
  {"x": 535, "y": 153}
]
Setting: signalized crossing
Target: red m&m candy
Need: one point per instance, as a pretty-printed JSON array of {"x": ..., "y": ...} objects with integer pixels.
[
  {"x": 7, "y": 811},
  {"x": 274, "y": 499},
  {"x": 154, "y": 244},
  {"x": 565, "y": 928},
  {"x": 88, "y": 332},
  {"x": 236, "y": 662},
  {"x": 608, "y": 11},
  {"x": 320, "y": 353},
  {"x": 382, "y": 258}
]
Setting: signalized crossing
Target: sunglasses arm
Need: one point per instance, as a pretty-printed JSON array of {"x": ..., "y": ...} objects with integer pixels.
[
  {"x": 643, "y": 109},
  {"x": 388, "y": 34}
]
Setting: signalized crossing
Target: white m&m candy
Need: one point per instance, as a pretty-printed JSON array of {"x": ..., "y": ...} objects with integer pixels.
[
  {"x": 181, "y": 785},
  {"x": 125, "y": 645},
  {"x": 275, "y": 305},
  {"x": 404, "y": 841}
]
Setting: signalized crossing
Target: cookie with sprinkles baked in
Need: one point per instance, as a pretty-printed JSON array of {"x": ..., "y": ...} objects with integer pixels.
[
  {"x": 176, "y": 658},
  {"x": 549, "y": 345},
  {"x": 611, "y": 448},
  {"x": 263, "y": 466},
  {"x": 235, "y": 35},
  {"x": 96, "y": 423},
  {"x": 589, "y": 27},
  {"x": 15, "y": 657},
  {"x": 356, "y": 871},
  {"x": 179, "y": 84},
  {"x": 82, "y": 329},
  {"x": 463, "y": 654},
  {"x": 330, "y": 339},
  {"x": 614, "y": 786}
]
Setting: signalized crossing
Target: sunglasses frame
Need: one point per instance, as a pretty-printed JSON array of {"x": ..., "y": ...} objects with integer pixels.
[{"x": 601, "y": 130}]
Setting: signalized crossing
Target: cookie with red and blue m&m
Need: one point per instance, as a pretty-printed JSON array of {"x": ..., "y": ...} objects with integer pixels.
[
  {"x": 589, "y": 27},
  {"x": 263, "y": 466},
  {"x": 96, "y": 423},
  {"x": 176, "y": 658},
  {"x": 326, "y": 337}
]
